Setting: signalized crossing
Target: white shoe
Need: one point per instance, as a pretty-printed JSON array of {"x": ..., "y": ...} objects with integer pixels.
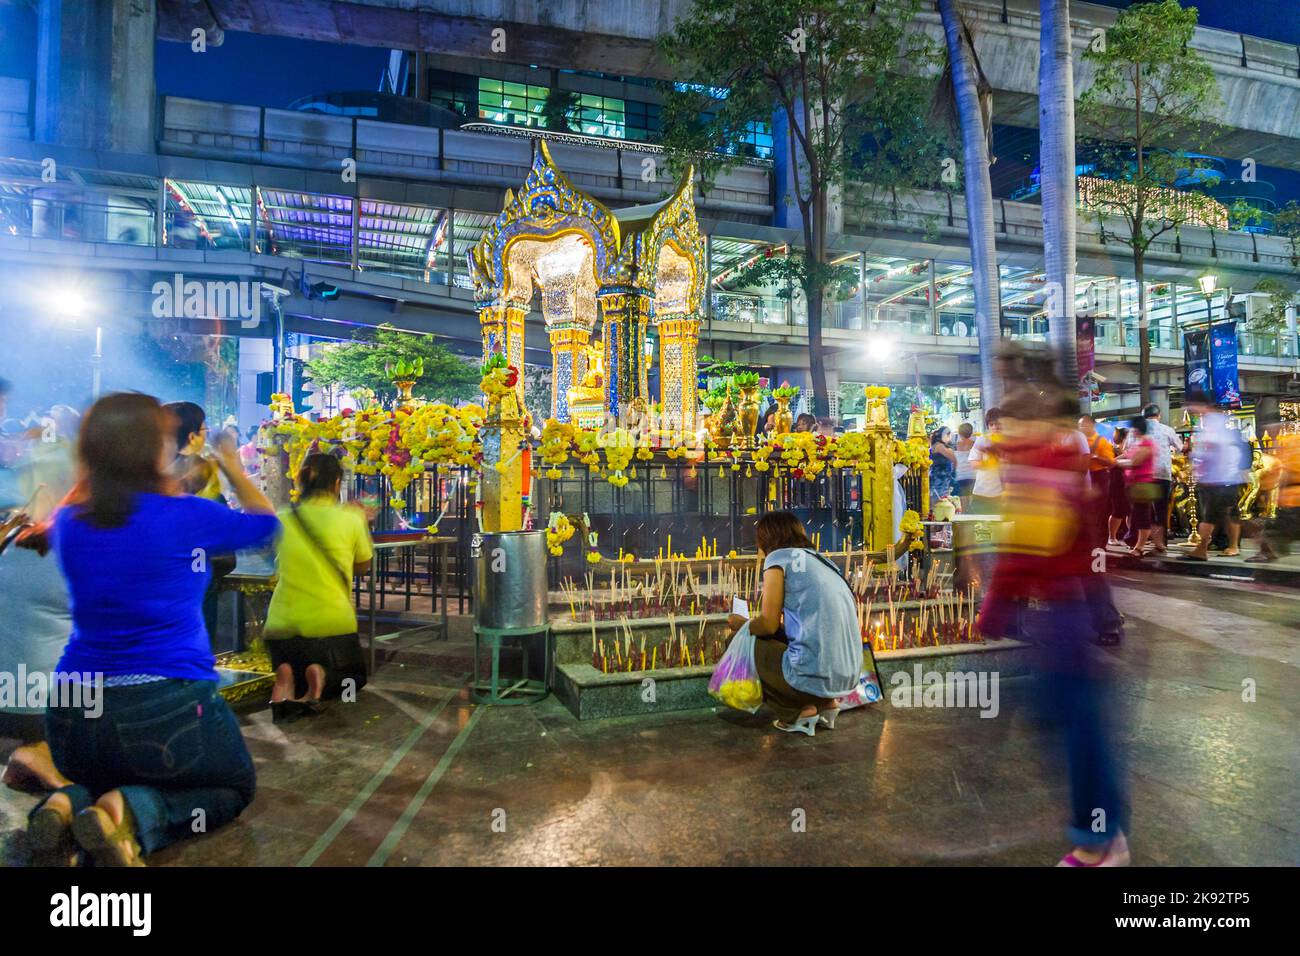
[
  {"x": 803, "y": 725},
  {"x": 826, "y": 718}
]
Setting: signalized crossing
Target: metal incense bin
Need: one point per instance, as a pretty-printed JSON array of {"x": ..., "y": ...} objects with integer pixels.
[
  {"x": 976, "y": 540},
  {"x": 511, "y": 608}
]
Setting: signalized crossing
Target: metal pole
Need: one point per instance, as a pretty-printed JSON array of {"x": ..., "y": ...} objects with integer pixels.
[
  {"x": 862, "y": 289},
  {"x": 96, "y": 362},
  {"x": 1209, "y": 342},
  {"x": 934, "y": 303},
  {"x": 278, "y": 346}
]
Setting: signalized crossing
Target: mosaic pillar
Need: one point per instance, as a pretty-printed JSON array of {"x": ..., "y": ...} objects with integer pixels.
[
  {"x": 878, "y": 489},
  {"x": 502, "y": 496},
  {"x": 502, "y": 325},
  {"x": 626, "y": 312},
  {"x": 568, "y": 365},
  {"x": 679, "y": 336}
]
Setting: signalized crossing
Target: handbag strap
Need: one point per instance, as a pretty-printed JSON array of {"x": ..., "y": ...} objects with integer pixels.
[{"x": 320, "y": 548}]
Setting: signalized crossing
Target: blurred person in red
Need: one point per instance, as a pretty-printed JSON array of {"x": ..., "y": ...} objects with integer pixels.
[
  {"x": 1166, "y": 443},
  {"x": 1139, "y": 465},
  {"x": 1038, "y": 592},
  {"x": 1099, "y": 463}
]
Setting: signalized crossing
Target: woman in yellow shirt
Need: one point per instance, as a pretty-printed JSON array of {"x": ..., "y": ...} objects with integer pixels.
[{"x": 311, "y": 625}]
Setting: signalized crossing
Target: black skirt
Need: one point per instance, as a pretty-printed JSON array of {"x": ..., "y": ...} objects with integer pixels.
[{"x": 340, "y": 655}]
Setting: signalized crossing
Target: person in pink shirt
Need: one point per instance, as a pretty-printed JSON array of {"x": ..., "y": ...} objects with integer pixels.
[{"x": 1139, "y": 464}]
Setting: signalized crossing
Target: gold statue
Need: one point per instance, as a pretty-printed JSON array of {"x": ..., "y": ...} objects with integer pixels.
[{"x": 587, "y": 398}]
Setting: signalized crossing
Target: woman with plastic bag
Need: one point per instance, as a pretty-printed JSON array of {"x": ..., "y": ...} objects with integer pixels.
[{"x": 807, "y": 649}]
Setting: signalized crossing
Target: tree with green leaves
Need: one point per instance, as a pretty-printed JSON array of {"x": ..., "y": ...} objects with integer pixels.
[
  {"x": 1286, "y": 224},
  {"x": 825, "y": 73},
  {"x": 1151, "y": 104},
  {"x": 1272, "y": 318},
  {"x": 370, "y": 362},
  {"x": 559, "y": 108}
]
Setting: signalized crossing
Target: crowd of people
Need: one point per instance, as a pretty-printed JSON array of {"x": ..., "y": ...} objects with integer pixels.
[
  {"x": 119, "y": 524},
  {"x": 1129, "y": 500},
  {"x": 122, "y": 522}
]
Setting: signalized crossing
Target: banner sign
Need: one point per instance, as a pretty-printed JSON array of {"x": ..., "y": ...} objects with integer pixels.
[
  {"x": 1085, "y": 332},
  {"x": 1196, "y": 362},
  {"x": 1223, "y": 364}
]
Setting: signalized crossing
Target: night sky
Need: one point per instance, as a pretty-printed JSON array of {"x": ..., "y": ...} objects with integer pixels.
[{"x": 266, "y": 71}]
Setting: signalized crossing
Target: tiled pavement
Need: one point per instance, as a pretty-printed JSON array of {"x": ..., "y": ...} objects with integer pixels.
[{"x": 414, "y": 774}]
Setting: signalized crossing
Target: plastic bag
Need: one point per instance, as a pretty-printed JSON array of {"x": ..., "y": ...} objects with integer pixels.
[
  {"x": 735, "y": 678},
  {"x": 867, "y": 690}
]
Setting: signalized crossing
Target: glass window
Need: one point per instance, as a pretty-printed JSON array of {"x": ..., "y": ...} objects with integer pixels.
[
  {"x": 404, "y": 240},
  {"x": 519, "y": 104},
  {"x": 312, "y": 226},
  {"x": 206, "y": 215}
]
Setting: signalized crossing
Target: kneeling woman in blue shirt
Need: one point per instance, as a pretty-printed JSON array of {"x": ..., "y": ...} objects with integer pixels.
[
  {"x": 809, "y": 648},
  {"x": 165, "y": 752}
]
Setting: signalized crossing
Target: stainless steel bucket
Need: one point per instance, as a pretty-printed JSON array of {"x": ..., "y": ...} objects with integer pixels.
[{"x": 509, "y": 579}]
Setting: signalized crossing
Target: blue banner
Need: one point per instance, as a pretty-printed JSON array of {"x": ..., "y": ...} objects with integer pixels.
[
  {"x": 1196, "y": 363},
  {"x": 1223, "y": 364}
]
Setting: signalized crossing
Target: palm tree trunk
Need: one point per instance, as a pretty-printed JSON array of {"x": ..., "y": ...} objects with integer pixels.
[
  {"x": 1056, "y": 165},
  {"x": 979, "y": 198}
]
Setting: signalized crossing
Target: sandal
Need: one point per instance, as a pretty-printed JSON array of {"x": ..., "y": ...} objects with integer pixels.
[
  {"x": 285, "y": 711},
  {"x": 49, "y": 836},
  {"x": 1117, "y": 854},
  {"x": 110, "y": 844}
]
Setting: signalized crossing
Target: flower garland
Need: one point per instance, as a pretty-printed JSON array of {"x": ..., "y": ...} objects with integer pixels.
[
  {"x": 852, "y": 450},
  {"x": 803, "y": 454},
  {"x": 559, "y": 530},
  {"x": 557, "y": 439},
  {"x": 912, "y": 527},
  {"x": 914, "y": 454},
  {"x": 619, "y": 448},
  {"x": 397, "y": 444}
]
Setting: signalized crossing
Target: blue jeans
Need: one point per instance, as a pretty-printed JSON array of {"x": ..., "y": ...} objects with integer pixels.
[
  {"x": 172, "y": 747},
  {"x": 1074, "y": 698},
  {"x": 1101, "y": 601}
]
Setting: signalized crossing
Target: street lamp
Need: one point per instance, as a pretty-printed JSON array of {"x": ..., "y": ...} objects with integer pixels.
[
  {"x": 880, "y": 348},
  {"x": 1208, "y": 282},
  {"x": 69, "y": 304}
]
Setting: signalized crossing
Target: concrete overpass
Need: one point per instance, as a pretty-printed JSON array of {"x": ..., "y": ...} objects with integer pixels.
[{"x": 619, "y": 36}]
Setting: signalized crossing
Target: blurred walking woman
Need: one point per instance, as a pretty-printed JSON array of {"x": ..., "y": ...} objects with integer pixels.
[
  {"x": 809, "y": 648},
  {"x": 311, "y": 625},
  {"x": 166, "y": 750}
]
